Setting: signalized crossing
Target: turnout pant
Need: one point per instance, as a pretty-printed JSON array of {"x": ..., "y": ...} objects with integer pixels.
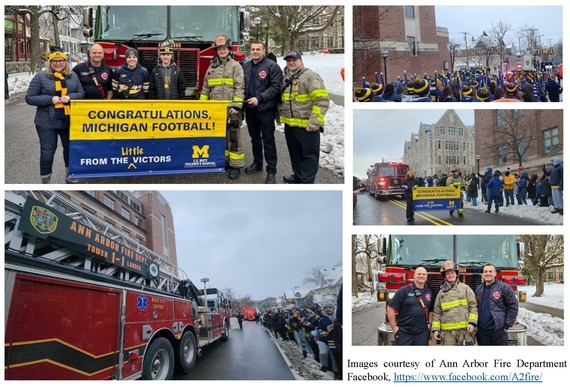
[{"x": 304, "y": 148}]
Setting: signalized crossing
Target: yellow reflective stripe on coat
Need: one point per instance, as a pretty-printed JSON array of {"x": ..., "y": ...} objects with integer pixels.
[
  {"x": 236, "y": 156},
  {"x": 454, "y": 325},
  {"x": 204, "y": 97},
  {"x": 220, "y": 81},
  {"x": 238, "y": 99},
  {"x": 296, "y": 122},
  {"x": 320, "y": 117},
  {"x": 319, "y": 93},
  {"x": 453, "y": 304},
  {"x": 435, "y": 326}
]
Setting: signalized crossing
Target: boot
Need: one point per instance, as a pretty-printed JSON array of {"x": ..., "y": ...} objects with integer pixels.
[
  {"x": 68, "y": 180},
  {"x": 46, "y": 179}
]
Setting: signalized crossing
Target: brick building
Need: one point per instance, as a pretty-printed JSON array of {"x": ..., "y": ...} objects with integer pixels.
[
  {"x": 440, "y": 147},
  {"x": 143, "y": 216},
  {"x": 506, "y": 138},
  {"x": 409, "y": 36}
]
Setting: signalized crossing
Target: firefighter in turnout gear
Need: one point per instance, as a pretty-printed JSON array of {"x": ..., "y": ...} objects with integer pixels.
[
  {"x": 456, "y": 181},
  {"x": 225, "y": 81},
  {"x": 455, "y": 312}
]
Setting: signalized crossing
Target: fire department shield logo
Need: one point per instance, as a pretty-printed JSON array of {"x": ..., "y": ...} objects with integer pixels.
[
  {"x": 43, "y": 220},
  {"x": 104, "y": 76},
  {"x": 428, "y": 297},
  {"x": 262, "y": 74},
  {"x": 496, "y": 295}
]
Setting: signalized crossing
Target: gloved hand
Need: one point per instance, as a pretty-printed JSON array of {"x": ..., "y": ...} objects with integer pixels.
[{"x": 405, "y": 187}]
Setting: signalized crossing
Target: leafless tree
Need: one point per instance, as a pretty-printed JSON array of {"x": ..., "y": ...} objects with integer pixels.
[
  {"x": 364, "y": 254},
  {"x": 498, "y": 32},
  {"x": 542, "y": 252}
]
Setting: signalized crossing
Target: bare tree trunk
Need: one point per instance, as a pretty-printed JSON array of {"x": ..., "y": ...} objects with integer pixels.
[
  {"x": 539, "y": 290},
  {"x": 354, "y": 276}
]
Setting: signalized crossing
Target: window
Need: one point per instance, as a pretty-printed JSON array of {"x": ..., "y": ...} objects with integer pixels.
[
  {"x": 438, "y": 144},
  {"x": 164, "y": 233},
  {"x": 518, "y": 112},
  {"x": 502, "y": 154},
  {"x": 125, "y": 213},
  {"x": 551, "y": 141},
  {"x": 412, "y": 44},
  {"x": 442, "y": 130},
  {"x": 521, "y": 148},
  {"x": 409, "y": 11},
  {"x": 109, "y": 202},
  {"x": 501, "y": 117},
  {"x": 451, "y": 131},
  {"x": 138, "y": 222},
  {"x": 460, "y": 132}
]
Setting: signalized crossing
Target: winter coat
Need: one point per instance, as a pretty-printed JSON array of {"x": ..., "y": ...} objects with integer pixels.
[
  {"x": 532, "y": 188},
  {"x": 555, "y": 173},
  {"x": 304, "y": 99},
  {"x": 494, "y": 186},
  {"x": 504, "y": 305},
  {"x": 509, "y": 181},
  {"x": 131, "y": 84},
  {"x": 224, "y": 81},
  {"x": 522, "y": 185},
  {"x": 473, "y": 190},
  {"x": 542, "y": 187},
  {"x": 455, "y": 307},
  {"x": 40, "y": 94},
  {"x": 487, "y": 176},
  {"x": 410, "y": 183},
  {"x": 554, "y": 90},
  {"x": 267, "y": 78},
  {"x": 177, "y": 84}
]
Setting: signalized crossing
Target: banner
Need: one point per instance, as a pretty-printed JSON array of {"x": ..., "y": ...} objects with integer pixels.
[
  {"x": 142, "y": 137},
  {"x": 436, "y": 198},
  {"x": 45, "y": 222}
]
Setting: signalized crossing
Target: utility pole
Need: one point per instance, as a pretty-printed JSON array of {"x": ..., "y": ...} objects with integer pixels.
[{"x": 466, "y": 49}]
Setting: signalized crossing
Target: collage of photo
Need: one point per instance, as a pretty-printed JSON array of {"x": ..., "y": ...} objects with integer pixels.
[{"x": 227, "y": 266}]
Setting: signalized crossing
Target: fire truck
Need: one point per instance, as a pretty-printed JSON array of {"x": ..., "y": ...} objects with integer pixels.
[
  {"x": 85, "y": 301},
  {"x": 386, "y": 179},
  {"x": 403, "y": 253},
  {"x": 189, "y": 30},
  {"x": 249, "y": 313}
]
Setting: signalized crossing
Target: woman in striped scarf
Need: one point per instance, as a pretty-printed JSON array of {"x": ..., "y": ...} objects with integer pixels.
[{"x": 51, "y": 90}]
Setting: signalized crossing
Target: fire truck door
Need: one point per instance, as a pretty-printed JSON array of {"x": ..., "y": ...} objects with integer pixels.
[{"x": 60, "y": 329}]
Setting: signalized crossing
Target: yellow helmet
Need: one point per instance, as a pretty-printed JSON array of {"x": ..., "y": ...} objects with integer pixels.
[{"x": 448, "y": 265}]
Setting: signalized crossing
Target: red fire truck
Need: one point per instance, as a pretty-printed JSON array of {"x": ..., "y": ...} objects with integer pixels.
[
  {"x": 190, "y": 31},
  {"x": 386, "y": 179},
  {"x": 403, "y": 253},
  {"x": 249, "y": 313},
  {"x": 85, "y": 301}
]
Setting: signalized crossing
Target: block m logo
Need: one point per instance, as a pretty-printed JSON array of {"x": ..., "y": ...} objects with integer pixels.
[{"x": 200, "y": 152}]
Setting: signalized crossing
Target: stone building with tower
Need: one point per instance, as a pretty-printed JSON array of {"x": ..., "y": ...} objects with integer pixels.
[{"x": 441, "y": 147}]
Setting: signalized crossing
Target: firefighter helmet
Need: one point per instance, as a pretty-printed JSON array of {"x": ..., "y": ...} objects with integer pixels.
[
  {"x": 222, "y": 41},
  {"x": 165, "y": 48},
  {"x": 448, "y": 265}
]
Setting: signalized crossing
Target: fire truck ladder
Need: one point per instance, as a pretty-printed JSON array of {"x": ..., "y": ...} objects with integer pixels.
[{"x": 164, "y": 277}]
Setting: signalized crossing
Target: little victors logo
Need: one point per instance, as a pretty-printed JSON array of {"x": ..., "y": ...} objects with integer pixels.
[{"x": 43, "y": 220}]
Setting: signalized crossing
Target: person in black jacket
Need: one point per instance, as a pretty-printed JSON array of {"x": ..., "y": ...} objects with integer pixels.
[
  {"x": 263, "y": 78},
  {"x": 166, "y": 79},
  {"x": 498, "y": 308},
  {"x": 409, "y": 184}
]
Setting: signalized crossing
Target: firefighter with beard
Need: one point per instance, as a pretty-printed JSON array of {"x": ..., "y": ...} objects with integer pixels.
[
  {"x": 224, "y": 81},
  {"x": 455, "y": 312}
]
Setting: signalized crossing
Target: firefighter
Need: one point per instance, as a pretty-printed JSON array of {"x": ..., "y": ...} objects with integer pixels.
[
  {"x": 455, "y": 180},
  {"x": 224, "y": 80},
  {"x": 455, "y": 309}
]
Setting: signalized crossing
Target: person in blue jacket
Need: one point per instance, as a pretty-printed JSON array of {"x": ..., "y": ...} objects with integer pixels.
[
  {"x": 498, "y": 308},
  {"x": 51, "y": 91},
  {"x": 131, "y": 80},
  {"x": 555, "y": 174},
  {"x": 494, "y": 192}
]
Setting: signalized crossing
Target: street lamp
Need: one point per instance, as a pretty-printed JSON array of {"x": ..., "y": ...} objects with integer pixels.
[
  {"x": 477, "y": 159},
  {"x": 257, "y": 22},
  {"x": 205, "y": 280},
  {"x": 385, "y": 54}
]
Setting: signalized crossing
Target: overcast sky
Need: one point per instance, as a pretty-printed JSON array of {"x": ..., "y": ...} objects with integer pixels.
[
  {"x": 476, "y": 19},
  {"x": 382, "y": 133},
  {"x": 257, "y": 243}
]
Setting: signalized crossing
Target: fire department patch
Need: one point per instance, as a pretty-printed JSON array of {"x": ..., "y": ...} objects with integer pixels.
[
  {"x": 43, "y": 220},
  {"x": 263, "y": 74},
  {"x": 104, "y": 76},
  {"x": 428, "y": 297},
  {"x": 496, "y": 295}
]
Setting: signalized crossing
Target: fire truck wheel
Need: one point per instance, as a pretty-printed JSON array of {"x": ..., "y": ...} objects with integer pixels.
[
  {"x": 158, "y": 363},
  {"x": 187, "y": 352}
]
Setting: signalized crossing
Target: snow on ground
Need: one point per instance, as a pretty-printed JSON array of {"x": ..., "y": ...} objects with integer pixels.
[
  {"x": 528, "y": 211},
  {"x": 542, "y": 327},
  {"x": 332, "y": 139}
]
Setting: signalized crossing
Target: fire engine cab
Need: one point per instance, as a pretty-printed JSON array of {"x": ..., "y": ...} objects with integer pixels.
[
  {"x": 386, "y": 179},
  {"x": 85, "y": 301}
]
